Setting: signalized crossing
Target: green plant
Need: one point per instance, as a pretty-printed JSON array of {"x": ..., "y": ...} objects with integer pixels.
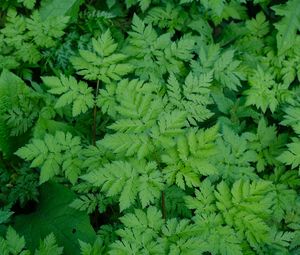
[{"x": 149, "y": 127}]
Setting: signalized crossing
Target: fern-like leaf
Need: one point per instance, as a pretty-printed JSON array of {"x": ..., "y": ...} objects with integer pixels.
[
  {"x": 54, "y": 154},
  {"x": 103, "y": 63},
  {"x": 71, "y": 92},
  {"x": 128, "y": 181}
]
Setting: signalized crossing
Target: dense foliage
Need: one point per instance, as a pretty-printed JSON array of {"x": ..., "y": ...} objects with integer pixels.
[{"x": 149, "y": 127}]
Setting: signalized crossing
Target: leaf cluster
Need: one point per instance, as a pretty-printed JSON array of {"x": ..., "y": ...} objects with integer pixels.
[{"x": 149, "y": 127}]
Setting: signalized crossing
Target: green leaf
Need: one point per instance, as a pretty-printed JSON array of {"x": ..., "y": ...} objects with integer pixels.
[
  {"x": 54, "y": 154},
  {"x": 144, "y": 4},
  {"x": 247, "y": 208},
  {"x": 28, "y": 3},
  {"x": 49, "y": 247},
  {"x": 53, "y": 214},
  {"x": 128, "y": 144},
  {"x": 15, "y": 243},
  {"x": 4, "y": 215},
  {"x": 97, "y": 248},
  {"x": 227, "y": 71},
  {"x": 288, "y": 25},
  {"x": 164, "y": 56},
  {"x": 72, "y": 92},
  {"x": 193, "y": 96},
  {"x": 191, "y": 158},
  {"x": 12, "y": 88},
  {"x": 292, "y": 155},
  {"x": 204, "y": 200},
  {"x": 103, "y": 63},
  {"x": 292, "y": 118},
  {"x": 54, "y": 8},
  {"x": 45, "y": 33},
  {"x": 129, "y": 181}
]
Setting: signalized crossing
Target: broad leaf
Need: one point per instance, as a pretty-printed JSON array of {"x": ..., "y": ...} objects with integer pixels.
[
  {"x": 54, "y": 8},
  {"x": 53, "y": 214}
]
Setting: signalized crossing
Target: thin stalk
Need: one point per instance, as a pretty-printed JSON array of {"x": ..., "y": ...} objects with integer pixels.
[
  {"x": 163, "y": 206},
  {"x": 95, "y": 116},
  {"x": 163, "y": 200}
]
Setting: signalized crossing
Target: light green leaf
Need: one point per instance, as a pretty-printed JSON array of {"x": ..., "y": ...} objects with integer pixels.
[
  {"x": 28, "y": 3},
  {"x": 72, "y": 92},
  {"x": 292, "y": 155},
  {"x": 104, "y": 63},
  {"x": 49, "y": 247},
  {"x": 15, "y": 242}
]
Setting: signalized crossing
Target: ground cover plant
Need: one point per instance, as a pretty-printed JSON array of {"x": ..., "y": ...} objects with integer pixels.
[{"x": 149, "y": 127}]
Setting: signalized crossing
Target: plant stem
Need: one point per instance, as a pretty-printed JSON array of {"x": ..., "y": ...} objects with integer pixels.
[
  {"x": 95, "y": 115},
  {"x": 163, "y": 205},
  {"x": 163, "y": 200}
]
